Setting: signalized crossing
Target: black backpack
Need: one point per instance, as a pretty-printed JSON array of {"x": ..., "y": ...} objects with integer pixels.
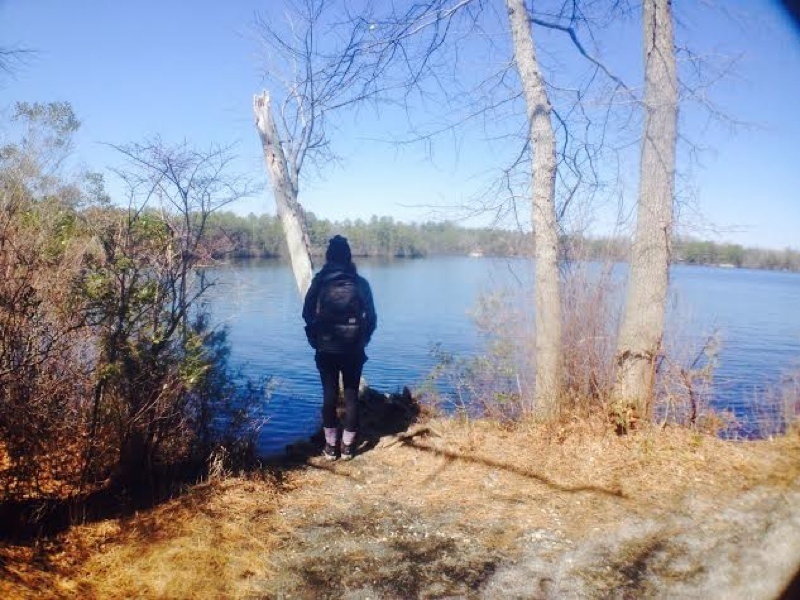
[{"x": 340, "y": 308}]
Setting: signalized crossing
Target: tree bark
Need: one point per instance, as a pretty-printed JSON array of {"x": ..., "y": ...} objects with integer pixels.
[
  {"x": 547, "y": 293},
  {"x": 642, "y": 329},
  {"x": 284, "y": 188}
]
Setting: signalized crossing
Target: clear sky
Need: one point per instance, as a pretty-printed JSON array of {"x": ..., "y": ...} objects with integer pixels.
[{"x": 188, "y": 70}]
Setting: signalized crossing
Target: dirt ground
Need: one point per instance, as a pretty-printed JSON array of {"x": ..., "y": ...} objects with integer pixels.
[{"x": 451, "y": 509}]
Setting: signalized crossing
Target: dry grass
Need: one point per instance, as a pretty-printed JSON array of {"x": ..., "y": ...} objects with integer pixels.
[
  {"x": 438, "y": 510},
  {"x": 210, "y": 542},
  {"x": 585, "y": 458}
]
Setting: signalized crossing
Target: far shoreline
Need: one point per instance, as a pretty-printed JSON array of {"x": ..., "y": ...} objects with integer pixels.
[{"x": 241, "y": 258}]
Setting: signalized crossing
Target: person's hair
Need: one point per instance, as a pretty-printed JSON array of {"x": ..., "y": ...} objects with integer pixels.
[{"x": 338, "y": 251}]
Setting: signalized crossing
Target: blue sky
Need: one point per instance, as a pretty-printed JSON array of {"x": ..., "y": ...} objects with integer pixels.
[{"x": 189, "y": 70}]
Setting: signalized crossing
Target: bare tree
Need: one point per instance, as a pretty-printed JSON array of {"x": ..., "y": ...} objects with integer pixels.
[
  {"x": 563, "y": 162},
  {"x": 284, "y": 178},
  {"x": 145, "y": 304},
  {"x": 406, "y": 50},
  {"x": 640, "y": 337},
  {"x": 185, "y": 185},
  {"x": 13, "y": 58},
  {"x": 312, "y": 75},
  {"x": 543, "y": 164},
  {"x": 329, "y": 58}
]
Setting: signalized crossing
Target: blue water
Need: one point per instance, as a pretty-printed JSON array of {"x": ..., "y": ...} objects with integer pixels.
[
  {"x": 422, "y": 303},
  {"x": 756, "y": 315}
]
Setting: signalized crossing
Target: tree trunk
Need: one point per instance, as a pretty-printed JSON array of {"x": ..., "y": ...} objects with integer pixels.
[
  {"x": 285, "y": 190},
  {"x": 642, "y": 330},
  {"x": 547, "y": 295}
]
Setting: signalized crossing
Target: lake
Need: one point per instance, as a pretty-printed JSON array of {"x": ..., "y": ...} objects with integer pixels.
[{"x": 427, "y": 302}]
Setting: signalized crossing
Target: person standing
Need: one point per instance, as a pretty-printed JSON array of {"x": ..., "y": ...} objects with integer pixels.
[{"x": 340, "y": 318}]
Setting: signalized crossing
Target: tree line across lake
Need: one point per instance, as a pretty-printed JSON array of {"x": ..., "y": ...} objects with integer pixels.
[{"x": 260, "y": 236}]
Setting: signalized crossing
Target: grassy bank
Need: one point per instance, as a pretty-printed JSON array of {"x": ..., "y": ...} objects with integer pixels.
[{"x": 450, "y": 508}]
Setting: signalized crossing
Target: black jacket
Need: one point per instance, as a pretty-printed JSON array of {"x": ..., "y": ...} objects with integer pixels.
[{"x": 328, "y": 272}]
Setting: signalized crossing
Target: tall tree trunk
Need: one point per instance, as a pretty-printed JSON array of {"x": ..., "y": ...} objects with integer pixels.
[
  {"x": 284, "y": 188},
  {"x": 547, "y": 295},
  {"x": 642, "y": 330}
]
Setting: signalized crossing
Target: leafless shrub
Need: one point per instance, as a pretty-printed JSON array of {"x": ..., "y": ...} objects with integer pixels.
[
  {"x": 685, "y": 387},
  {"x": 591, "y": 315},
  {"x": 778, "y": 410},
  {"x": 487, "y": 386},
  {"x": 498, "y": 383}
]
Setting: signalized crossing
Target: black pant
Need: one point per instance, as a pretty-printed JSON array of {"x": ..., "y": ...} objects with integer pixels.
[{"x": 350, "y": 366}]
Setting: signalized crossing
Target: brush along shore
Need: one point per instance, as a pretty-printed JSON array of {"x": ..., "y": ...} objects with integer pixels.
[{"x": 453, "y": 508}]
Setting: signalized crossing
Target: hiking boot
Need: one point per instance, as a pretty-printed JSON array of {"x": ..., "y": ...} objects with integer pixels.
[
  {"x": 348, "y": 451},
  {"x": 329, "y": 452}
]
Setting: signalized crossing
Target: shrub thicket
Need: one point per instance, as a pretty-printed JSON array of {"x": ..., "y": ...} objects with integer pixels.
[{"x": 109, "y": 372}]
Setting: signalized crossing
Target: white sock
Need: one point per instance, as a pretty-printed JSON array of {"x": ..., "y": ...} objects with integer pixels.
[
  {"x": 348, "y": 437},
  {"x": 330, "y": 435}
]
